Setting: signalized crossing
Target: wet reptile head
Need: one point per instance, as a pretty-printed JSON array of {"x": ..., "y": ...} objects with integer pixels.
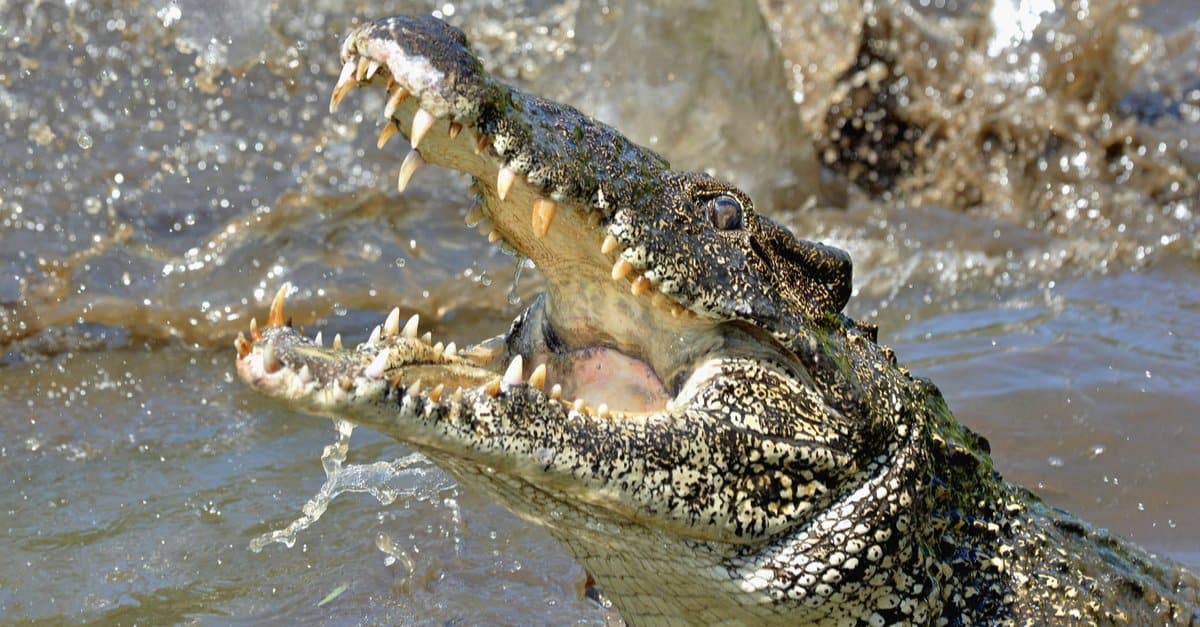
[{"x": 672, "y": 384}]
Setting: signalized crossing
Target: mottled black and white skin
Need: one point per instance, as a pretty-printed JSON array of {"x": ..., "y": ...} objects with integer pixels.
[{"x": 686, "y": 408}]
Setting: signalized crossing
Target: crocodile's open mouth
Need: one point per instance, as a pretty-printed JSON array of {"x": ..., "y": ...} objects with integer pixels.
[{"x": 612, "y": 334}]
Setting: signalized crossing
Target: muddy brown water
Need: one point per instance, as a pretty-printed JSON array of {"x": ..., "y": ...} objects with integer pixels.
[{"x": 1023, "y": 224}]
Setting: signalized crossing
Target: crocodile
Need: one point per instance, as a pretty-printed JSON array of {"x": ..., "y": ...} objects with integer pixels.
[{"x": 686, "y": 407}]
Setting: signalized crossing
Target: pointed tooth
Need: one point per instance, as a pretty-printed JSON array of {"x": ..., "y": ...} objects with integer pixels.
[
  {"x": 375, "y": 369},
  {"x": 454, "y": 130},
  {"x": 543, "y": 215},
  {"x": 427, "y": 337},
  {"x": 396, "y": 380},
  {"x": 410, "y": 327},
  {"x": 494, "y": 236},
  {"x": 414, "y": 390},
  {"x": 254, "y": 333},
  {"x": 372, "y": 68},
  {"x": 577, "y": 406},
  {"x": 538, "y": 378},
  {"x": 602, "y": 409},
  {"x": 391, "y": 83},
  {"x": 474, "y": 215},
  {"x": 481, "y": 143},
  {"x": 374, "y": 339},
  {"x": 360, "y": 69},
  {"x": 386, "y": 133},
  {"x": 435, "y": 394},
  {"x": 422, "y": 122},
  {"x": 677, "y": 310},
  {"x": 344, "y": 83},
  {"x": 275, "y": 313},
  {"x": 621, "y": 269},
  {"x": 242, "y": 345},
  {"x": 439, "y": 347},
  {"x": 451, "y": 350},
  {"x": 319, "y": 339},
  {"x": 555, "y": 392},
  {"x": 337, "y": 342},
  {"x": 398, "y": 95},
  {"x": 391, "y": 326},
  {"x": 305, "y": 374},
  {"x": 412, "y": 161},
  {"x": 640, "y": 286},
  {"x": 493, "y": 387},
  {"x": 504, "y": 182},
  {"x": 457, "y": 396},
  {"x": 610, "y": 244},
  {"x": 514, "y": 374},
  {"x": 270, "y": 360},
  {"x": 345, "y": 383}
]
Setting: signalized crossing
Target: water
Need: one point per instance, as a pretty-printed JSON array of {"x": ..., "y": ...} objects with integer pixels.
[{"x": 1029, "y": 242}]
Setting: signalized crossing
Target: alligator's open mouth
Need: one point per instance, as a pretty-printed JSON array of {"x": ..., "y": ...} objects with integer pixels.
[{"x": 613, "y": 334}]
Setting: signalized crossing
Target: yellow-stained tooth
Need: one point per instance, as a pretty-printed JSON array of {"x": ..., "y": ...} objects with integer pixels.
[
  {"x": 454, "y": 130},
  {"x": 504, "y": 182},
  {"x": 397, "y": 96},
  {"x": 391, "y": 326},
  {"x": 640, "y": 286},
  {"x": 543, "y": 215},
  {"x": 422, "y": 122},
  {"x": 609, "y": 245},
  {"x": 538, "y": 378},
  {"x": 337, "y": 342},
  {"x": 412, "y": 161},
  {"x": 494, "y": 236},
  {"x": 621, "y": 269},
  {"x": 344, "y": 83},
  {"x": 481, "y": 143},
  {"x": 386, "y": 133}
]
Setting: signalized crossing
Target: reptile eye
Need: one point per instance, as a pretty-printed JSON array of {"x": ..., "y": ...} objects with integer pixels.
[{"x": 725, "y": 213}]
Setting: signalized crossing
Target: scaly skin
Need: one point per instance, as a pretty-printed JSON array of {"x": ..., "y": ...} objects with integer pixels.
[{"x": 685, "y": 408}]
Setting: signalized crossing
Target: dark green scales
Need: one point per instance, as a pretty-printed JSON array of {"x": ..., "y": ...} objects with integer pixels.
[{"x": 686, "y": 408}]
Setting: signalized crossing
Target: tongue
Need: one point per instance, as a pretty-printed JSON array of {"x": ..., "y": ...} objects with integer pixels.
[{"x": 604, "y": 375}]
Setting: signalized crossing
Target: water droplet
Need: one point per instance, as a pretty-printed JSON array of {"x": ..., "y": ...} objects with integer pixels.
[{"x": 84, "y": 140}]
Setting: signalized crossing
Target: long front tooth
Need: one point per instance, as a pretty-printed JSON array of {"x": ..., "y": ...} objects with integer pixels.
[
  {"x": 397, "y": 96},
  {"x": 344, "y": 83},
  {"x": 391, "y": 326},
  {"x": 410, "y": 327},
  {"x": 543, "y": 215},
  {"x": 422, "y": 122},
  {"x": 610, "y": 244},
  {"x": 360, "y": 69},
  {"x": 513, "y": 375},
  {"x": 275, "y": 312},
  {"x": 412, "y": 161},
  {"x": 386, "y": 133},
  {"x": 504, "y": 182},
  {"x": 375, "y": 369},
  {"x": 621, "y": 269}
]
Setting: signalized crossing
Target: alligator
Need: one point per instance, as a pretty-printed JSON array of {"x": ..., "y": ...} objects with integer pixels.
[{"x": 686, "y": 407}]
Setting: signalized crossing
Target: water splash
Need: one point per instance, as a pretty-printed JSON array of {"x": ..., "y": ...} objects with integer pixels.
[{"x": 408, "y": 476}]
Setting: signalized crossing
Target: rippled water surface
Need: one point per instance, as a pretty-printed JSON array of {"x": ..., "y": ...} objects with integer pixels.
[{"x": 1019, "y": 193}]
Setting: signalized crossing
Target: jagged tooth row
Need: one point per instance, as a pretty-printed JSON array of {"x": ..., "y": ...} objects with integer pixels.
[
  {"x": 639, "y": 283},
  {"x": 357, "y": 70}
]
